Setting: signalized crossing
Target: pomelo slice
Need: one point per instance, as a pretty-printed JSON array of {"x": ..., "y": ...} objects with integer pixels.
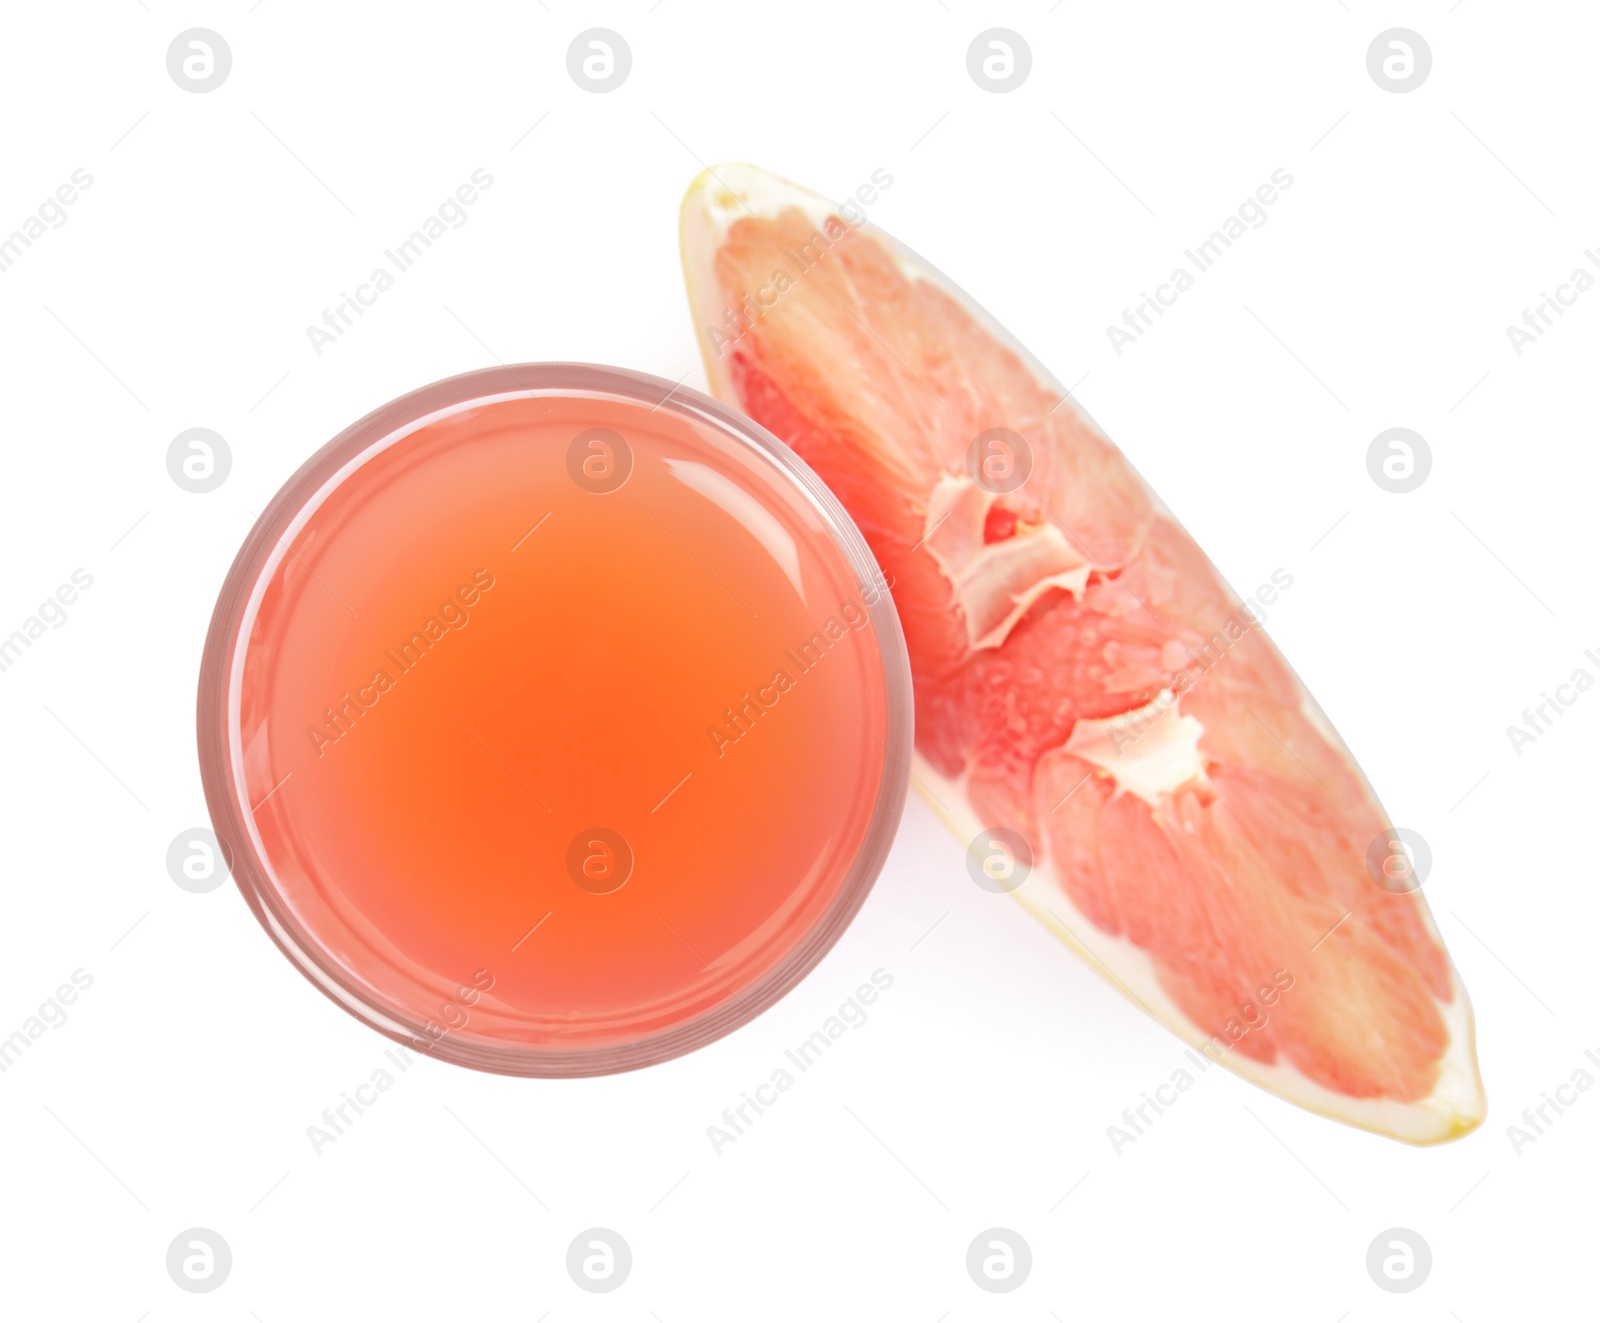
[{"x": 1084, "y": 678}]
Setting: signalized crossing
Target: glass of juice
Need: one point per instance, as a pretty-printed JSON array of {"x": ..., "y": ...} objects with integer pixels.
[{"x": 554, "y": 719}]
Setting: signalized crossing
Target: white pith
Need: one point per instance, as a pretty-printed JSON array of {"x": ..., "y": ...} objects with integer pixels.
[
  {"x": 1150, "y": 751},
  {"x": 981, "y": 571}
]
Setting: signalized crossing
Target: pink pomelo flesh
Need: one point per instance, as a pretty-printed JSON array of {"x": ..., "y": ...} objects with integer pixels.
[{"x": 1083, "y": 675}]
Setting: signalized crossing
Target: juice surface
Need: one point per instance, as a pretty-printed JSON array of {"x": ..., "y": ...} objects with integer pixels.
[{"x": 536, "y": 758}]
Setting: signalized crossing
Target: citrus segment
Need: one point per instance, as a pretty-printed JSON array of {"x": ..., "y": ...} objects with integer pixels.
[{"x": 1083, "y": 675}]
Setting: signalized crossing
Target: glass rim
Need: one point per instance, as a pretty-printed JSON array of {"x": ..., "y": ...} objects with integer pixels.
[{"x": 225, "y": 647}]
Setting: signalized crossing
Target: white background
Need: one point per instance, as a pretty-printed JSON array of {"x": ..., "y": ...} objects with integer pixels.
[{"x": 177, "y": 294}]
